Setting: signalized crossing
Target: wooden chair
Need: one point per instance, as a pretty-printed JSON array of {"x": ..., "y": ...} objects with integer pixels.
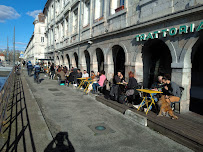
[{"x": 174, "y": 103}]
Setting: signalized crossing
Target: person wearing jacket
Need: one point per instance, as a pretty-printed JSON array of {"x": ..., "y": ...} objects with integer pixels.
[
  {"x": 132, "y": 84},
  {"x": 171, "y": 91},
  {"x": 29, "y": 67},
  {"x": 37, "y": 71},
  {"x": 102, "y": 78}
]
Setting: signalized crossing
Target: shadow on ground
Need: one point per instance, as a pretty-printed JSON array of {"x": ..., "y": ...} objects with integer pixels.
[{"x": 60, "y": 143}]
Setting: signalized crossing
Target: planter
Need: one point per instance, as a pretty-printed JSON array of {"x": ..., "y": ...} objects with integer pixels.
[{"x": 119, "y": 8}]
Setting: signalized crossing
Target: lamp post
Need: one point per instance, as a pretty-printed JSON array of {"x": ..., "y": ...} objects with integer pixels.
[{"x": 14, "y": 47}]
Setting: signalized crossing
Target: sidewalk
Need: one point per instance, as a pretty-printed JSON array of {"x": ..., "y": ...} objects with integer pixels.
[
  {"x": 25, "y": 129},
  {"x": 69, "y": 111},
  {"x": 187, "y": 130}
]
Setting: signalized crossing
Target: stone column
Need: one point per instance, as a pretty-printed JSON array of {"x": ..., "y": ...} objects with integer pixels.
[
  {"x": 109, "y": 69},
  {"x": 94, "y": 66}
]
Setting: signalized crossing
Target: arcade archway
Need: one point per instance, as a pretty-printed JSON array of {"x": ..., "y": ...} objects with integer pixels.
[
  {"x": 100, "y": 59},
  {"x": 196, "y": 97},
  {"x": 68, "y": 61},
  {"x": 118, "y": 59},
  {"x": 156, "y": 61},
  {"x": 87, "y": 59},
  {"x": 62, "y": 60},
  {"x": 57, "y": 60},
  {"x": 76, "y": 59}
]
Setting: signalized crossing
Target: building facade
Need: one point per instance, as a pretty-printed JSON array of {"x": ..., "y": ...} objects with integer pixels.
[
  {"x": 2, "y": 57},
  {"x": 148, "y": 37},
  {"x": 36, "y": 46}
]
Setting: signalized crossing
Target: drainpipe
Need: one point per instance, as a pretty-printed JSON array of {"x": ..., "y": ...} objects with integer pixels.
[
  {"x": 79, "y": 34},
  {"x": 54, "y": 30}
]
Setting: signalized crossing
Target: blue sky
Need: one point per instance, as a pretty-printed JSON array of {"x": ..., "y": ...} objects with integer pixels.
[{"x": 21, "y": 14}]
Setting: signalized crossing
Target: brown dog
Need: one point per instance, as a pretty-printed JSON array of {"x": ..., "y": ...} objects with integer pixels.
[{"x": 165, "y": 108}]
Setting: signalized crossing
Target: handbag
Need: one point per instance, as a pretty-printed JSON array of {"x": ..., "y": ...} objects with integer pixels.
[{"x": 130, "y": 92}]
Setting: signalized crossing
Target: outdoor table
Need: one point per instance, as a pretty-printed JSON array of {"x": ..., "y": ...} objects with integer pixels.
[
  {"x": 145, "y": 98},
  {"x": 121, "y": 87},
  {"x": 88, "y": 83},
  {"x": 81, "y": 82},
  {"x": 120, "y": 83}
]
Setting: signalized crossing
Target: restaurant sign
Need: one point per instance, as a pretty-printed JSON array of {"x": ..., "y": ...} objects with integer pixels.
[{"x": 172, "y": 31}]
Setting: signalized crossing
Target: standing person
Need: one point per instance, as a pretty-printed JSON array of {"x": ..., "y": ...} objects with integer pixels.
[
  {"x": 36, "y": 73},
  {"x": 115, "y": 89},
  {"x": 118, "y": 78},
  {"x": 29, "y": 67},
  {"x": 100, "y": 83},
  {"x": 85, "y": 74},
  {"x": 52, "y": 70}
]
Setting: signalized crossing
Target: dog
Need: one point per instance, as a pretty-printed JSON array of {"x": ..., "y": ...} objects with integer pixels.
[{"x": 165, "y": 108}]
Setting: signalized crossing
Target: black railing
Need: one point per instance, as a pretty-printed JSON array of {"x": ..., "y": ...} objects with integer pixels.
[{"x": 5, "y": 92}]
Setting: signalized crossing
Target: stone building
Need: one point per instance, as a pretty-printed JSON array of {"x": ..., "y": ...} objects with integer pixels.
[
  {"x": 148, "y": 37},
  {"x": 36, "y": 46}
]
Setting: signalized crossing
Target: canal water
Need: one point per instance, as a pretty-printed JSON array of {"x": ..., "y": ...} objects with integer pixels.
[{"x": 2, "y": 81}]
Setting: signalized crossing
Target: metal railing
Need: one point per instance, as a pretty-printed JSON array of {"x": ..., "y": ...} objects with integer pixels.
[{"x": 5, "y": 92}]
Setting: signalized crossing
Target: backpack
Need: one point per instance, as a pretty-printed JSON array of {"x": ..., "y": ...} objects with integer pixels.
[
  {"x": 37, "y": 69},
  {"x": 122, "y": 99}
]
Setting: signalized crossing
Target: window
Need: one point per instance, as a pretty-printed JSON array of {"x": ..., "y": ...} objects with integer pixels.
[
  {"x": 62, "y": 31},
  {"x": 42, "y": 39},
  {"x": 99, "y": 9},
  {"x": 86, "y": 14},
  {"x": 52, "y": 11},
  {"x": 66, "y": 27},
  {"x": 116, "y": 5},
  {"x": 75, "y": 20}
]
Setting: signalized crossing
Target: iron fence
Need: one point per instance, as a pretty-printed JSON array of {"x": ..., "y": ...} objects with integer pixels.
[{"x": 5, "y": 92}]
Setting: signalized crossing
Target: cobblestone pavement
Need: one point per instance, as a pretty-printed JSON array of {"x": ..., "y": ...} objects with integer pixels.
[{"x": 73, "y": 116}]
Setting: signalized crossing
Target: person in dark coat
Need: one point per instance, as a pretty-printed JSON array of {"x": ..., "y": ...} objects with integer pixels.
[
  {"x": 115, "y": 89},
  {"x": 132, "y": 84},
  {"x": 171, "y": 90}
]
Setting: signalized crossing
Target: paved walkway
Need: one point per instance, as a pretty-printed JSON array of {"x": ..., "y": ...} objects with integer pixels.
[
  {"x": 72, "y": 117},
  {"x": 25, "y": 129}
]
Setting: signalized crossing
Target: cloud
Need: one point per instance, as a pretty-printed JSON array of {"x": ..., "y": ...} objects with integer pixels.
[
  {"x": 34, "y": 13},
  {"x": 21, "y": 43},
  {"x": 7, "y": 13}
]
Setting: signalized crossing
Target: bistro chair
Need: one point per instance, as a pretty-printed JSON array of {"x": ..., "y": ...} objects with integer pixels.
[{"x": 174, "y": 103}]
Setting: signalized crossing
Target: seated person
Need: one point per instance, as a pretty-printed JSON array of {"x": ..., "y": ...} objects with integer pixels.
[
  {"x": 171, "y": 91},
  {"x": 132, "y": 84},
  {"x": 79, "y": 73},
  {"x": 158, "y": 84},
  {"x": 62, "y": 77},
  {"x": 85, "y": 74},
  {"x": 71, "y": 77},
  {"x": 97, "y": 77},
  {"x": 92, "y": 75},
  {"x": 102, "y": 78}
]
